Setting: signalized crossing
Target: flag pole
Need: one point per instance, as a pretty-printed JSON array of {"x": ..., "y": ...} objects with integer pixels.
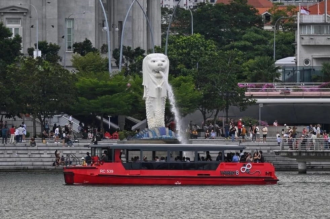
[
  {"x": 326, "y": 11},
  {"x": 298, "y": 44}
]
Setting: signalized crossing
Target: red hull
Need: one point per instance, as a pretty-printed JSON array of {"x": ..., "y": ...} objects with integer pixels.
[{"x": 225, "y": 174}]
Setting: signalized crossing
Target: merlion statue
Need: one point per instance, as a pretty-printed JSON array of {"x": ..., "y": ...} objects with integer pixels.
[{"x": 155, "y": 78}]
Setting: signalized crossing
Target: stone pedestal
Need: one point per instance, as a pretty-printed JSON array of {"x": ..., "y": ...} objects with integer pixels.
[{"x": 302, "y": 168}]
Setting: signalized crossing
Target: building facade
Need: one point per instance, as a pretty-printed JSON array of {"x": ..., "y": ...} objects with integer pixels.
[
  {"x": 187, "y": 4},
  {"x": 65, "y": 22}
]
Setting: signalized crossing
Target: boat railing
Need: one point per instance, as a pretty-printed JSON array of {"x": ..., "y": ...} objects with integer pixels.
[{"x": 72, "y": 159}]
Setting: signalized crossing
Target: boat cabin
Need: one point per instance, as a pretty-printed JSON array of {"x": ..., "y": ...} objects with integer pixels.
[{"x": 165, "y": 156}]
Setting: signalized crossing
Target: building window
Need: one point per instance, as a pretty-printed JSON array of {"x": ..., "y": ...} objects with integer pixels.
[
  {"x": 14, "y": 25},
  {"x": 315, "y": 29},
  {"x": 69, "y": 23}
]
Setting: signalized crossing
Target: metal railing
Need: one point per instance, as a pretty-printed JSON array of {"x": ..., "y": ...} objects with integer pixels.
[
  {"x": 289, "y": 91},
  {"x": 304, "y": 144}
]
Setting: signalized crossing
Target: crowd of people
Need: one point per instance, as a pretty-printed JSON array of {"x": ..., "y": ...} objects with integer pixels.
[
  {"x": 14, "y": 134},
  {"x": 311, "y": 137},
  {"x": 232, "y": 130}
]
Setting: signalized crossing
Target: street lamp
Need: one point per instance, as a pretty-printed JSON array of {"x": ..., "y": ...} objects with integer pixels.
[
  {"x": 109, "y": 123},
  {"x": 37, "y": 26},
  {"x": 275, "y": 35},
  {"x": 192, "y": 23},
  {"x": 65, "y": 38},
  {"x": 169, "y": 25},
  {"x": 123, "y": 28},
  {"x": 108, "y": 35}
]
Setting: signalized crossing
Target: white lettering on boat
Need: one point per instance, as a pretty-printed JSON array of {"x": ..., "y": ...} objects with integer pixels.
[{"x": 106, "y": 171}]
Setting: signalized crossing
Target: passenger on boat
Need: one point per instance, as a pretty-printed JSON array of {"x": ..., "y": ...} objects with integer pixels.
[
  {"x": 145, "y": 159},
  {"x": 235, "y": 158},
  {"x": 208, "y": 156},
  {"x": 256, "y": 157},
  {"x": 262, "y": 159},
  {"x": 104, "y": 157},
  {"x": 219, "y": 157},
  {"x": 162, "y": 159},
  {"x": 249, "y": 158},
  {"x": 88, "y": 159},
  {"x": 156, "y": 159},
  {"x": 187, "y": 159}
]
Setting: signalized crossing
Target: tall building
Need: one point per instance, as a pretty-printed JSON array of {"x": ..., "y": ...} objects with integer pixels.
[{"x": 65, "y": 22}]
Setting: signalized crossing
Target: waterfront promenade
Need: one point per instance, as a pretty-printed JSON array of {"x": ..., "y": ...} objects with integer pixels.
[{"x": 22, "y": 157}]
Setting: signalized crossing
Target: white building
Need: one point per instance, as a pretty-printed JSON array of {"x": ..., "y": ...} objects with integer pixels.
[{"x": 65, "y": 22}]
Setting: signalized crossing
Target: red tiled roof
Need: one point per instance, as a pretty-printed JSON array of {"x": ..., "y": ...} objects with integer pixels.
[
  {"x": 254, "y": 3},
  {"x": 319, "y": 9}
]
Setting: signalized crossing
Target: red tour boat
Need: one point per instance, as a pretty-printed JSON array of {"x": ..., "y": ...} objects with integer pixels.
[{"x": 168, "y": 164}]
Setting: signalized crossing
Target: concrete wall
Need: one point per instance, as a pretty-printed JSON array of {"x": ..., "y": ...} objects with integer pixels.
[{"x": 21, "y": 157}]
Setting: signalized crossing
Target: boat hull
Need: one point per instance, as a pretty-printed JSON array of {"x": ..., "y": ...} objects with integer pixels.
[{"x": 226, "y": 174}]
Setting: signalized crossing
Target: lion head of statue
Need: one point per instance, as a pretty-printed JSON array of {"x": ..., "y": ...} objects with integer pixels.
[{"x": 155, "y": 70}]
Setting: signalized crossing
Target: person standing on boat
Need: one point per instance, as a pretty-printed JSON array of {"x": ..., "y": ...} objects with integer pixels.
[{"x": 88, "y": 159}]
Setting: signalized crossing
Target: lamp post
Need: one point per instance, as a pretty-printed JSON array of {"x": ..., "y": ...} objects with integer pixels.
[
  {"x": 108, "y": 36},
  {"x": 192, "y": 22},
  {"x": 275, "y": 35},
  {"x": 169, "y": 25},
  {"x": 65, "y": 38},
  {"x": 109, "y": 123},
  {"x": 123, "y": 28},
  {"x": 37, "y": 26}
]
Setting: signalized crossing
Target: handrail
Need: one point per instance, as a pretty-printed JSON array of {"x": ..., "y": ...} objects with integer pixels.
[{"x": 74, "y": 159}]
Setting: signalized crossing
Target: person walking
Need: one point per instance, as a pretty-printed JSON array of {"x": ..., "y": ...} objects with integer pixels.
[{"x": 4, "y": 132}]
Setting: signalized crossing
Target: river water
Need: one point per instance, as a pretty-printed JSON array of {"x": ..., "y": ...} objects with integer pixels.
[{"x": 44, "y": 195}]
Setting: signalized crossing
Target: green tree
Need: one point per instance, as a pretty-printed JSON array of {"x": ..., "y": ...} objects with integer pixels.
[
  {"x": 285, "y": 44},
  {"x": 99, "y": 95},
  {"x": 132, "y": 59},
  {"x": 186, "y": 94},
  {"x": 43, "y": 88},
  {"x": 261, "y": 69},
  {"x": 185, "y": 53},
  {"x": 84, "y": 47},
  {"x": 225, "y": 23},
  {"x": 217, "y": 79},
  {"x": 255, "y": 42},
  {"x": 10, "y": 51},
  {"x": 90, "y": 65},
  {"x": 49, "y": 51}
]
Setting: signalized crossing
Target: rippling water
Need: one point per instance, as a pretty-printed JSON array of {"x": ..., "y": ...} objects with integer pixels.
[{"x": 41, "y": 195}]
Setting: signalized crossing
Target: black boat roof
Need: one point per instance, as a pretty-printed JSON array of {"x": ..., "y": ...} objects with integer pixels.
[{"x": 173, "y": 147}]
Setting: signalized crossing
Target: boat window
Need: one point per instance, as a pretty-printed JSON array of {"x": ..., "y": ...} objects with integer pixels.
[
  {"x": 229, "y": 155},
  {"x": 147, "y": 156},
  {"x": 182, "y": 156},
  {"x": 133, "y": 156},
  {"x": 160, "y": 156}
]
